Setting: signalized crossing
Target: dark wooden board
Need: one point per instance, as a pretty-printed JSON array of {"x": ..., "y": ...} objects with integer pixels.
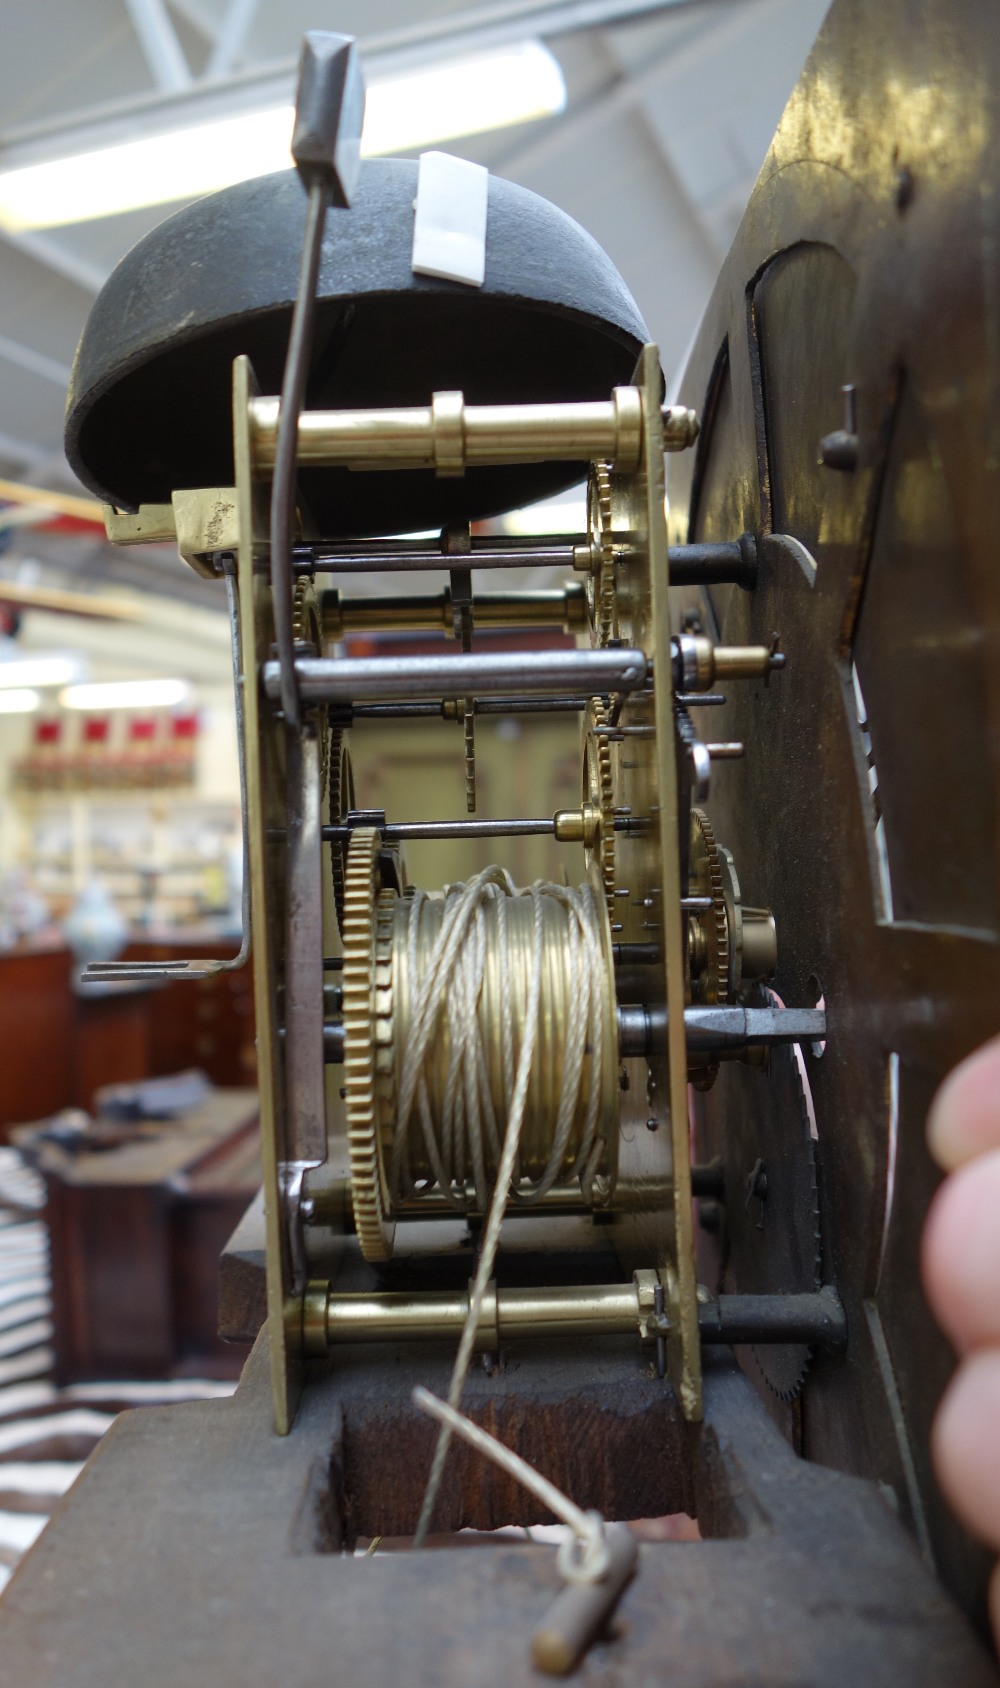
[
  {"x": 866, "y": 256},
  {"x": 198, "y": 1545}
]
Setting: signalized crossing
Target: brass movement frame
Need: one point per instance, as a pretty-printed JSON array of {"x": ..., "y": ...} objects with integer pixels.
[{"x": 630, "y": 428}]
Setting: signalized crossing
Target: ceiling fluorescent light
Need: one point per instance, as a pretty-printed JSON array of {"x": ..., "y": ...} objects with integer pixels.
[
  {"x": 19, "y": 702},
  {"x": 37, "y": 671},
  {"x": 125, "y": 694},
  {"x": 418, "y": 108},
  {"x": 469, "y": 96}
]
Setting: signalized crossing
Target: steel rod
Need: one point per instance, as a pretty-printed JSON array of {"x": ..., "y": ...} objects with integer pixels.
[
  {"x": 482, "y": 706},
  {"x": 816, "y": 1319},
  {"x": 728, "y": 1028},
  {"x": 450, "y": 829},
  {"x": 642, "y": 1031},
  {"x": 729, "y": 563},
  {"x": 690, "y": 565},
  {"x": 422, "y": 559},
  {"x": 545, "y": 673}
]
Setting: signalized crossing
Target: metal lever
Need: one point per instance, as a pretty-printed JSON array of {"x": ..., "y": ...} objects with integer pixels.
[
  {"x": 114, "y": 971},
  {"x": 326, "y": 146}
]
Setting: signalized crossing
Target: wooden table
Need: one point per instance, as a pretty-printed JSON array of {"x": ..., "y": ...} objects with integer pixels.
[{"x": 136, "y": 1232}]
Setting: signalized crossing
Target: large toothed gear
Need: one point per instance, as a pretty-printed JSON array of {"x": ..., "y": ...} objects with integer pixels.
[
  {"x": 367, "y": 1012},
  {"x": 601, "y": 591},
  {"x": 306, "y": 624},
  {"x": 339, "y": 782},
  {"x": 599, "y": 791},
  {"x": 307, "y": 632},
  {"x": 707, "y": 879}
]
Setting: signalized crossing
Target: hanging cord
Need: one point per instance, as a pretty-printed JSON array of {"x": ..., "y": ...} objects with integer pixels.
[
  {"x": 455, "y": 973},
  {"x": 491, "y": 1233},
  {"x": 583, "y": 1556},
  {"x": 596, "y": 1561}
]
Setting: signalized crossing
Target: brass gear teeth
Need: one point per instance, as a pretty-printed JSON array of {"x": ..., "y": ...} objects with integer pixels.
[
  {"x": 339, "y": 784},
  {"x": 307, "y": 630},
  {"x": 305, "y": 614},
  {"x": 469, "y": 727},
  {"x": 363, "y": 1071},
  {"x": 600, "y": 780},
  {"x": 299, "y": 611},
  {"x": 603, "y": 587},
  {"x": 326, "y": 750},
  {"x": 718, "y": 966}
]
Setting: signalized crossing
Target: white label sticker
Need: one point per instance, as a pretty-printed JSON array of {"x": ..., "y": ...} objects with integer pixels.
[{"x": 449, "y": 228}]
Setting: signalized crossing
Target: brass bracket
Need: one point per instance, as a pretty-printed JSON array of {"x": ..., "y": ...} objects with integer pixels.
[{"x": 200, "y": 521}]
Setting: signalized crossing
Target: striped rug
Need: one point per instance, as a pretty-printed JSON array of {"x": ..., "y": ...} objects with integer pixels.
[{"x": 47, "y": 1433}]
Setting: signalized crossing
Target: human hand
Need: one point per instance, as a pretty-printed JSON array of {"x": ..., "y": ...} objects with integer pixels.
[{"x": 961, "y": 1273}]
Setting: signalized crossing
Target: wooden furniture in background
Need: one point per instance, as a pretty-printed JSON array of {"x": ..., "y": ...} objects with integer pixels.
[
  {"x": 112, "y": 1037},
  {"x": 206, "y": 1023},
  {"x": 37, "y": 1017},
  {"x": 57, "y": 1047},
  {"x": 136, "y": 1231}
]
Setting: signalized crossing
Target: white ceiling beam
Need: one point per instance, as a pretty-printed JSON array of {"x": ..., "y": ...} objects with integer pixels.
[
  {"x": 36, "y": 363},
  {"x": 231, "y": 37},
  {"x": 197, "y": 19},
  {"x": 624, "y": 97},
  {"x": 382, "y": 54},
  {"x": 161, "y": 48},
  {"x": 90, "y": 277},
  {"x": 496, "y": 25},
  {"x": 733, "y": 19},
  {"x": 630, "y": 93}
]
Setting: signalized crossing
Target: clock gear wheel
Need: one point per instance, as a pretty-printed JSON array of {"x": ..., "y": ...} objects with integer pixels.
[
  {"x": 706, "y": 878},
  {"x": 708, "y": 936},
  {"x": 339, "y": 784},
  {"x": 367, "y": 1013},
  {"x": 601, "y": 586},
  {"x": 599, "y": 792},
  {"x": 306, "y": 622},
  {"x": 307, "y": 632}
]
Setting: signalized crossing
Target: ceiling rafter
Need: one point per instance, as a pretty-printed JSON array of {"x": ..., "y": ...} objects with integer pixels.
[
  {"x": 236, "y": 24},
  {"x": 383, "y": 53},
  {"x": 624, "y": 95},
  {"x": 195, "y": 17},
  {"x": 161, "y": 48},
  {"x": 70, "y": 265},
  {"x": 36, "y": 363}
]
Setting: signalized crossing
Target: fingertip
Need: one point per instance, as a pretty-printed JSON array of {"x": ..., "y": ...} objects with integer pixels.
[
  {"x": 964, "y": 1444},
  {"x": 964, "y": 1117},
  {"x": 960, "y": 1254}
]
